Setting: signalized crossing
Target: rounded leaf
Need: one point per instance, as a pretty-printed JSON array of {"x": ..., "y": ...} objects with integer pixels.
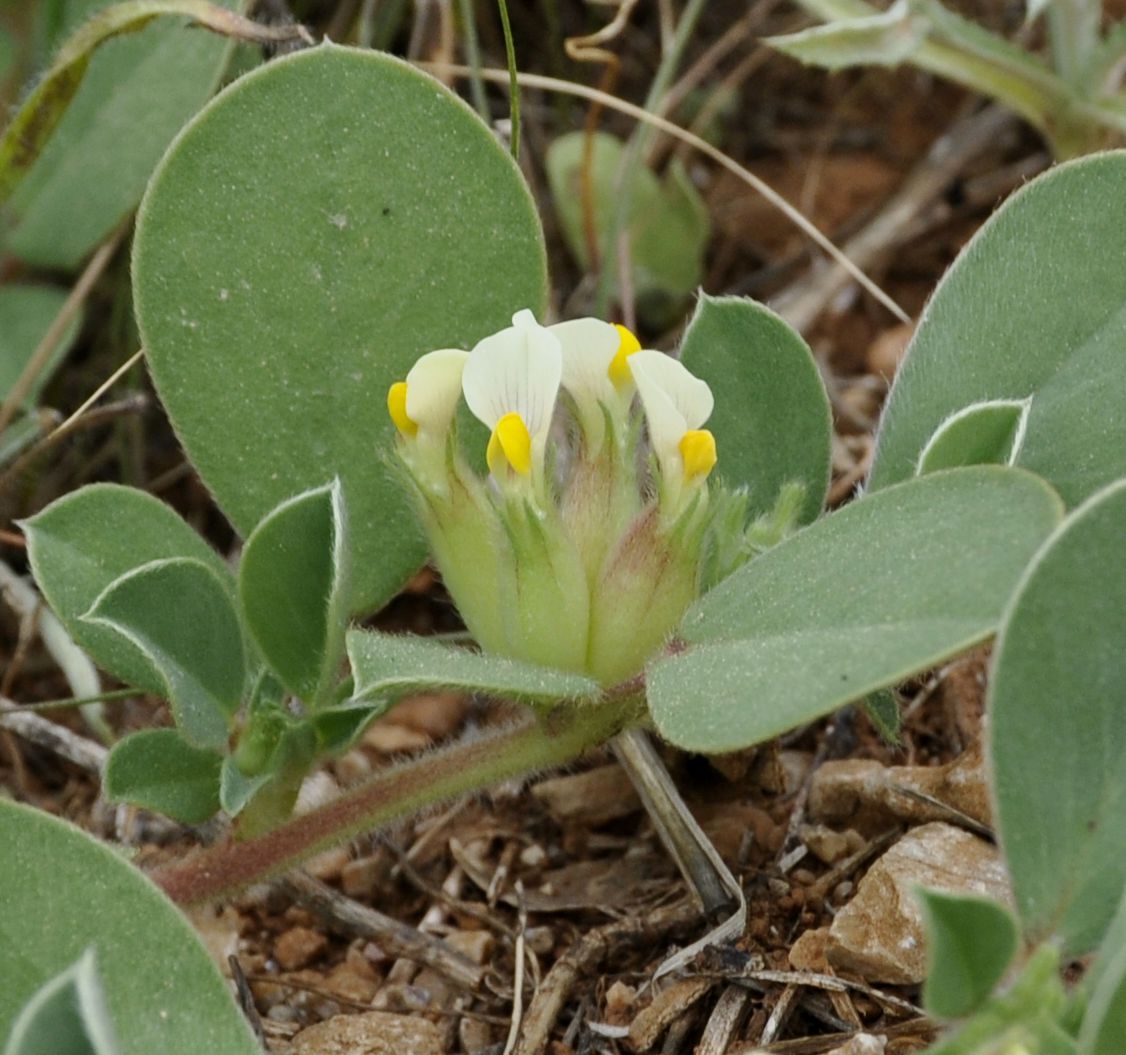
[
  {"x": 135, "y": 96},
  {"x": 323, "y": 222},
  {"x": 888, "y": 586},
  {"x": 293, "y": 585},
  {"x": 159, "y": 770},
  {"x": 66, "y": 893},
  {"x": 1032, "y": 308},
  {"x": 970, "y": 942},
  {"x": 178, "y": 614},
  {"x": 989, "y": 433},
  {"x": 1058, "y": 728},
  {"x": 85, "y": 540}
]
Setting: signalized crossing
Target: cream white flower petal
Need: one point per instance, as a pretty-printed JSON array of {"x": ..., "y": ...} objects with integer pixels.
[
  {"x": 515, "y": 371},
  {"x": 434, "y": 387},
  {"x": 589, "y": 346},
  {"x": 675, "y": 401}
]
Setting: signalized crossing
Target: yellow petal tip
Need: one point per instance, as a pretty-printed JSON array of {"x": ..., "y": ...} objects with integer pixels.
[
  {"x": 397, "y": 408},
  {"x": 697, "y": 449},
  {"x": 619, "y": 365},
  {"x": 510, "y": 444}
]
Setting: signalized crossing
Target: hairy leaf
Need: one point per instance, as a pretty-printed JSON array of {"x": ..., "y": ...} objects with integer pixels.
[
  {"x": 1058, "y": 728},
  {"x": 85, "y": 540},
  {"x": 324, "y": 221},
  {"x": 66, "y": 893},
  {"x": 884, "y": 588}
]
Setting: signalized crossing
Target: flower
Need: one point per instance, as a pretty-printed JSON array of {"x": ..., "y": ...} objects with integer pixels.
[
  {"x": 423, "y": 408},
  {"x": 676, "y": 404},
  {"x": 427, "y": 400},
  {"x": 511, "y": 382},
  {"x": 596, "y": 373}
]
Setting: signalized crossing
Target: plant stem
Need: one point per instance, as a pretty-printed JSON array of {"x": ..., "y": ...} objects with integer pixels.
[
  {"x": 666, "y": 71},
  {"x": 473, "y": 58},
  {"x": 70, "y": 308},
  {"x": 1073, "y": 31},
  {"x": 513, "y": 82},
  {"x": 640, "y": 141},
  {"x": 78, "y": 701},
  {"x": 515, "y": 750}
]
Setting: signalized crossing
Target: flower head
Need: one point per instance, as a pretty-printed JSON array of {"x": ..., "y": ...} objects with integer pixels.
[{"x": 566, "y": 561}]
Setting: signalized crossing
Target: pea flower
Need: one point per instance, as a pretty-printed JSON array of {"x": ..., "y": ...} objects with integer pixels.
[
  {"x": 569, "y": 553},
  {"x": 511, "y": 382},
  {"x": 423, "y": 408},
  {"x": 676, "y": 405},
  {"x": 596, "y": 375}
]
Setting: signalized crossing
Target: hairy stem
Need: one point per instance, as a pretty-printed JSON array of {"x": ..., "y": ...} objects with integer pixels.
[{"x": 514, "y": 750}]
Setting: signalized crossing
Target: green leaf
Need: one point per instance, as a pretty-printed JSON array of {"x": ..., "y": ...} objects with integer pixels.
[
  {"x": 890, "y": 585},
  {"x": 1058, "y": 728},
  {"x": 236, "y": 789},
  {"x": 294, "y": 588},
  {"x": 179, "y": 614},
  {"x": 882, "y": 709},
  {"x": 1023, "y": 1020},
  {"x": 885, "y": 39},
  {"x": 390, "y": 664},
  {"x": 1034, "y": 306},
  {"x": 85, "y": 540},
  {"x": 667, "y": 224},
  {"x": 989, "y": 433},
  {"x": 1104, "y": 1021},
  {"x": 324, "y": 221},
  {"x": 133, "y": 95},
  {"x": 26, "y": 313},
  {"x": 159, "y": 770},
  {"x": 771, "y": 419},
  {"x": 67, "y": 1016},
  {"x": 970, "y": 942},
  {"x": 271, "y": 803},
  {"x": 972, "y": 39},
  {"x": 1104, "y": 1024},
  {"x": 64, "y": 893},
  {"x": 338, "y": 728}
]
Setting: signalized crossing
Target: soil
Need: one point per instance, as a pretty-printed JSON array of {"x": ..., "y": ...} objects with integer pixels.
[{"x": 582, "y": 889}]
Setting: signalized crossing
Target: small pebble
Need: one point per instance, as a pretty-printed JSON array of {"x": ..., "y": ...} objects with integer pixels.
[
  {"x": 362, "y": 877},
  {"x": 474, "y": 945},
  {"x": 534, "y": 856},
  {"x": 298, "y": 947},
  {"x": 541, "y": 940}
]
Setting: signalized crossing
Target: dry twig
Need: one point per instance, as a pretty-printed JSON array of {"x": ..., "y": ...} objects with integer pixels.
[
  {"x": 84, "y": 753},
  {"x": 585, "y": 957},
  {"x": 396, "y": 938},
  {"x": 897, "y": 221}
]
